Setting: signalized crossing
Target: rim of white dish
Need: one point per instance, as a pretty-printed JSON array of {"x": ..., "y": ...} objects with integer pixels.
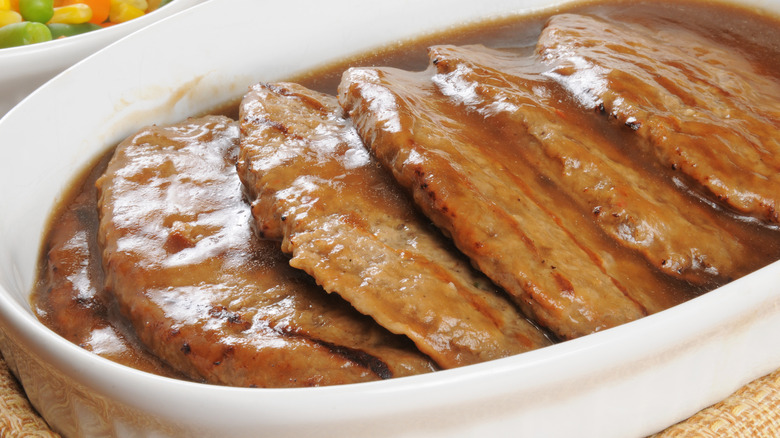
[{"x": 712, "y": 310}]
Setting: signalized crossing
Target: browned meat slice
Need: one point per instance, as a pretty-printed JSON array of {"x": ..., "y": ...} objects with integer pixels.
[
  {"x": 74, "y": 304},
  {"x": 701, "y": 110},
  {"x": 636, "y": 207},
  {"x": 347, "y": 224},
  {"x": 203, "y": 293},
  {"x": 510, "y": 222}
]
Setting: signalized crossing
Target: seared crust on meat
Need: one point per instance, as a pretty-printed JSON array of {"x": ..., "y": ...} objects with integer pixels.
[{"x": 208, "y": 297}]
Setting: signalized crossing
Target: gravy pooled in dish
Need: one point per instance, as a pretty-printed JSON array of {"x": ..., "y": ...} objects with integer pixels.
[{"x": 480, "y": 194}]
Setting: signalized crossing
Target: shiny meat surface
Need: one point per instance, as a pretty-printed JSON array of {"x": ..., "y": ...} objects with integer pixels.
[
  {"x": 587, "y": 129},
  {"x": 346, "y": 223},
  {"x": 516, "y": 228},
  {"x": 208, "y": 297},
  {"x": 632, "y": 204},
  {"x": 75, "y": 305},
  {"x": 702, "y": 109}
]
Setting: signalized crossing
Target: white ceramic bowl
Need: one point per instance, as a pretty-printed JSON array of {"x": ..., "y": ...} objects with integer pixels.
[
  {"x": 629, "y": 381},
  {"x": 25, "y": 68}
]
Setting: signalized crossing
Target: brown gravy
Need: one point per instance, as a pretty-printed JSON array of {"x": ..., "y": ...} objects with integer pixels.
[{"x": 69, "y": 296}]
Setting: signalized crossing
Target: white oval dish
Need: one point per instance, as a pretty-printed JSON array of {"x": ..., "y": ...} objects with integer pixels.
[
  {"x": 630, "y": 381},
  {"x": 25, "y": 68}
]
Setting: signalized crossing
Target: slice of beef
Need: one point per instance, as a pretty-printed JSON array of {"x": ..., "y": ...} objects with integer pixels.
[
  {"x": 512, "y": 223},
  {"x": 638, "y": 208},
  {"x": 73, "y": 302},
  {"x": 346, "y": 223},
  {"x": 208, "y": 297},
  {"x": 701, "y": 110}
]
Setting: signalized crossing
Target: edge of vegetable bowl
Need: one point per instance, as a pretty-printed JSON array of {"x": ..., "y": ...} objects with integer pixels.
[{"x": 25, "y": 68}]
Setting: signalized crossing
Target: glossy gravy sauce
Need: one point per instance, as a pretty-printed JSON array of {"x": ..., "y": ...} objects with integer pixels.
[{"x": 69, "y": 296}]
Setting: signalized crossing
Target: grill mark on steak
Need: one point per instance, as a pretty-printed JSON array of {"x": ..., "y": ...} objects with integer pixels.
[
  {"x": 701, "y": 110},
  {"x": 376, "y": 365},
  {"x": 515, "y": 227},
  {"x": 314, "y": 185},
  {"x": 638, "y": 209},
  {"x": 218, "y": 304}
]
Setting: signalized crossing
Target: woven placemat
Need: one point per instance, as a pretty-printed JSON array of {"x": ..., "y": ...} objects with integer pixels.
[
  {"x": 753, "y": 411},
  {"x": 17, "y": 416}
]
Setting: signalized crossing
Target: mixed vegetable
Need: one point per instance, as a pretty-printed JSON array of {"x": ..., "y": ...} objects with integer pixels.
[{"x": 33, "y": 21}]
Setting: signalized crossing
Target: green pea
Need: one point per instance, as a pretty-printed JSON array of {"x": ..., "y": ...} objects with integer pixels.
[
  {"x": 39, "y": 11},
  {"x": 59, "y": 30},
  {"x": 20, "y": 34}
]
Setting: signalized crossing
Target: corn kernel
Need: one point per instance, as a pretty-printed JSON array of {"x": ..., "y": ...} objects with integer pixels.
[
  {"x": 9, "y": 17},
  {"x": 72, "y": 14},
  {"x": 121, "y": 12},
  {"x": 5, "y": 5},
  {"x": 140, "y": 4}
]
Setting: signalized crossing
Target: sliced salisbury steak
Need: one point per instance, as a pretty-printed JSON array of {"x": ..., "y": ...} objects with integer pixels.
[
  {"x": 204, "y": 293},
  {"x": 520, "y": 230},
  {"x": 700, "y": 108},
  {"x": 344, "y": 220},
  {"x": 636, "y": 205}
]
